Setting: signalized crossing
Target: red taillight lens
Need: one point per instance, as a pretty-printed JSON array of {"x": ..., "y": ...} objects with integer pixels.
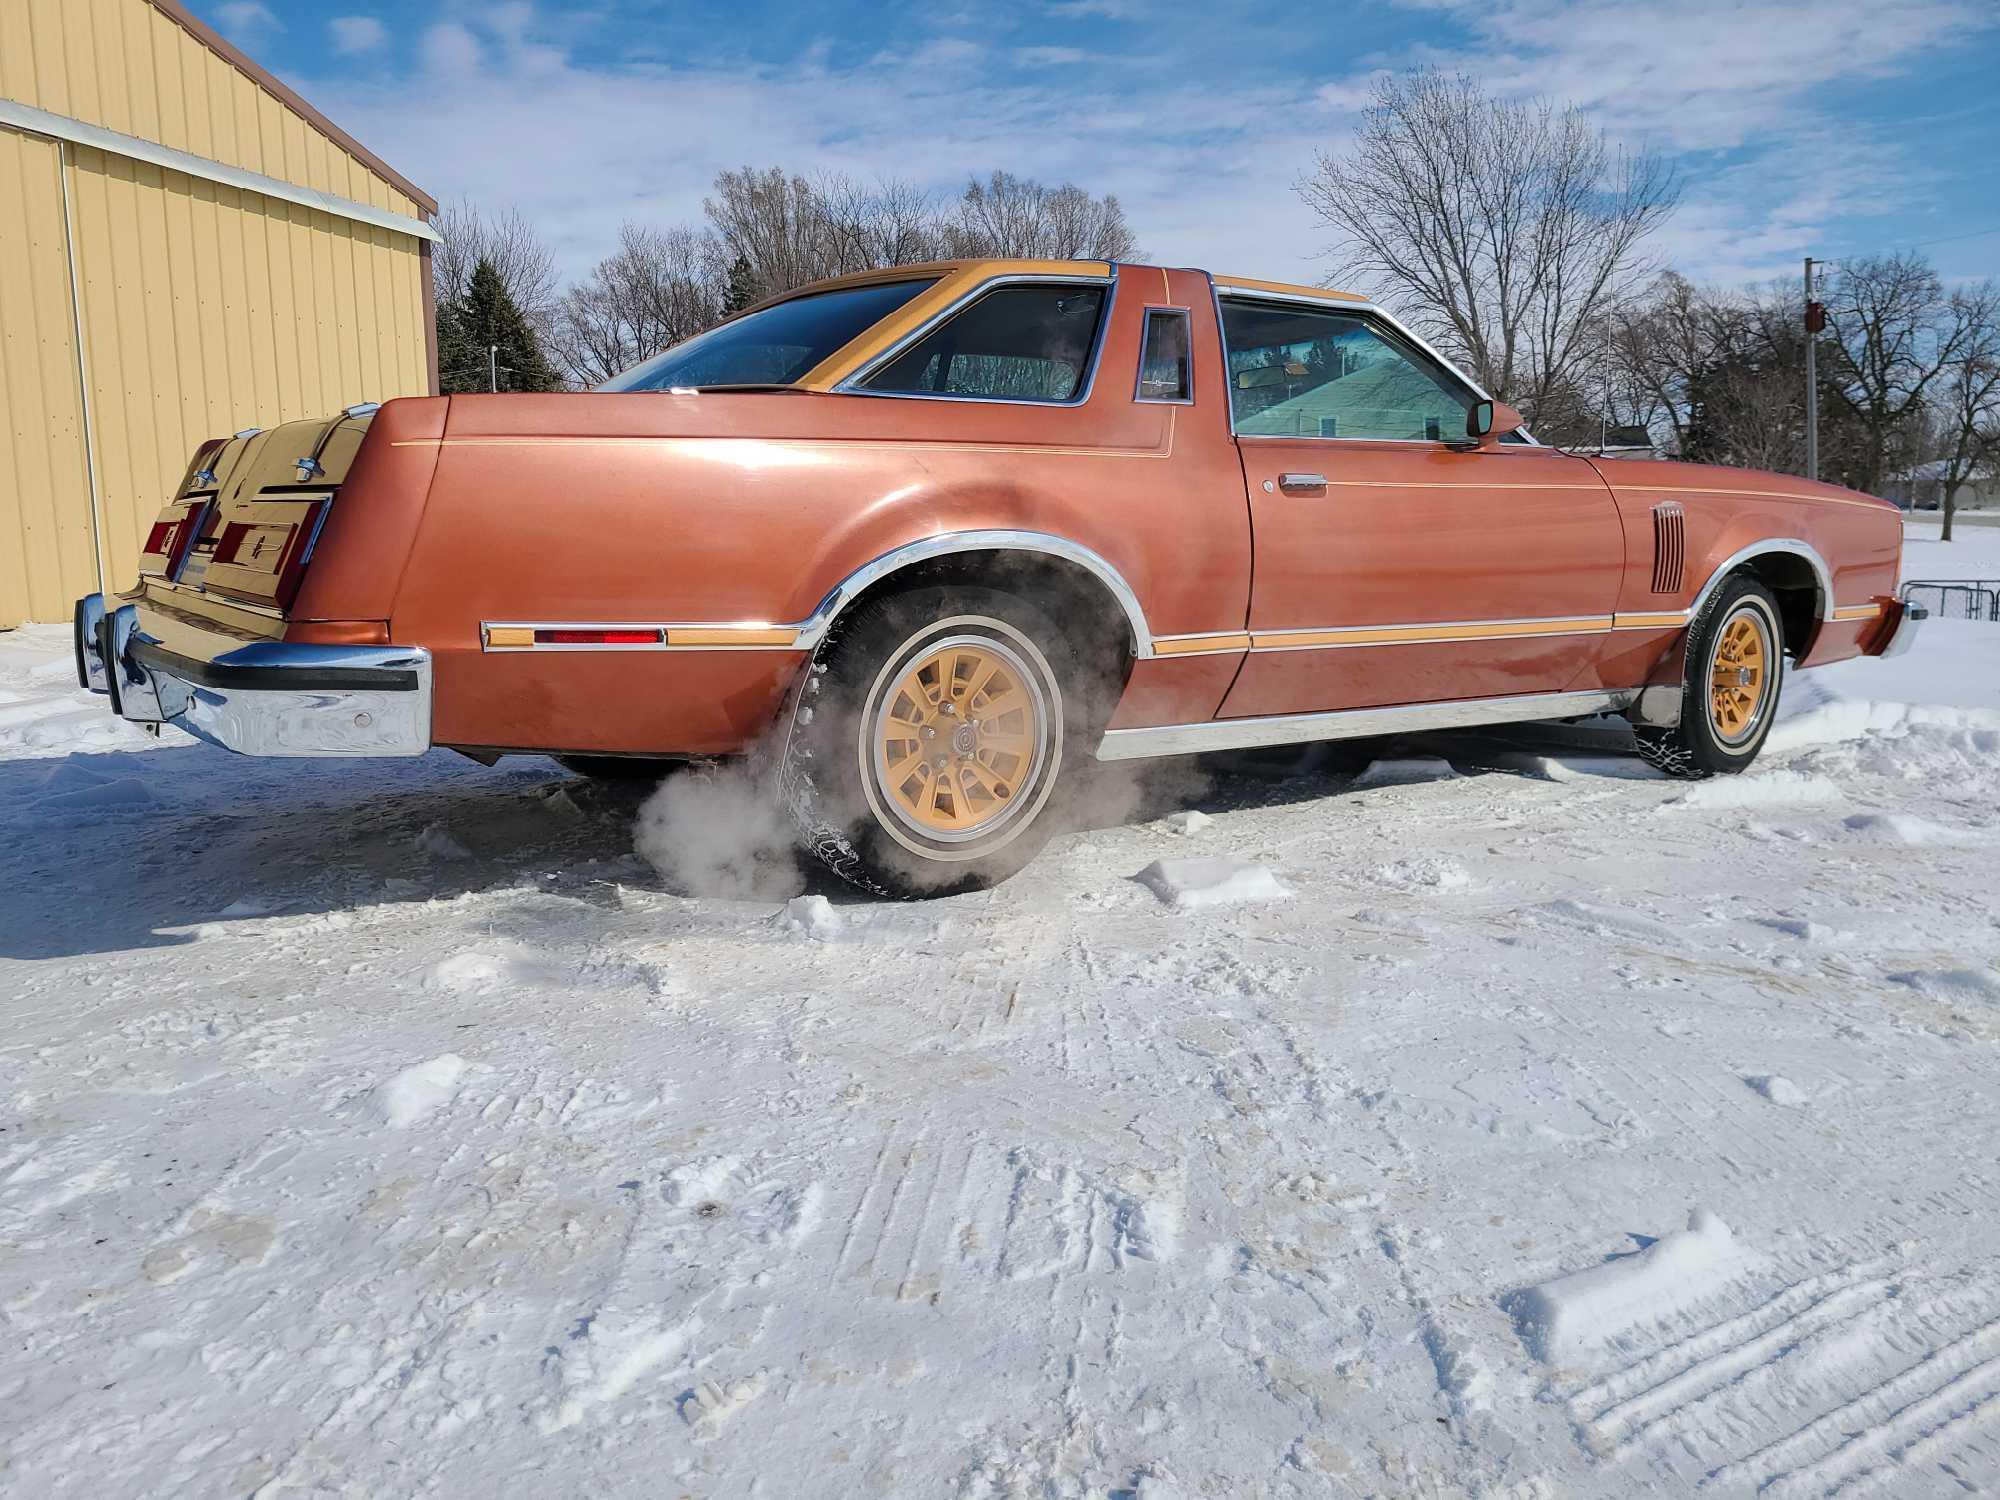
[{"x": 597, "y": 637}]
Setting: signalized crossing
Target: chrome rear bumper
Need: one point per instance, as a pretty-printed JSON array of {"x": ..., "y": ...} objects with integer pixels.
[
  {"x": 262, "y": 698},
  {"x": 1905, "y": 633}
]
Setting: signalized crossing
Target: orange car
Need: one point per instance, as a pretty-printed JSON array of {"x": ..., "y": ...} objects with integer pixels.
[{"x": 937, "y": 532}]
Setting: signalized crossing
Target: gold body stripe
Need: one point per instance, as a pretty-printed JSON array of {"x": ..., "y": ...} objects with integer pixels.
[
  {"x": 1662, "y": 620},
  {"x": 729, "y": 635},
  {"x": 1199, "y": 645},
  {"x": 1412, "y": 635}
]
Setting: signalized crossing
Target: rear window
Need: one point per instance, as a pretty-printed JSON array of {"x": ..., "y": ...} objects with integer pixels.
[
  {"x": 774, "y": 346},
  {"x": 1016, "y": 343}
]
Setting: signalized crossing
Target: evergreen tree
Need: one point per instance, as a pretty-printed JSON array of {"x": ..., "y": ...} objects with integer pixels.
[
  {"x": 742, "y": 289},
  {"x": 484, "y": 319}
]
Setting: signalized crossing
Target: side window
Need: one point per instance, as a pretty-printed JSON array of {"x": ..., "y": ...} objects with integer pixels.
[
  {"x": 1312, "y": 372},
  {"x": 1016, "y": 343},
  {"x": 1163, "y": 361}
]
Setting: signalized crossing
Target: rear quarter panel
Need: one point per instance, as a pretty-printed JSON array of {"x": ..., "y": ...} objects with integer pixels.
[{"x": 718, "y": 507}]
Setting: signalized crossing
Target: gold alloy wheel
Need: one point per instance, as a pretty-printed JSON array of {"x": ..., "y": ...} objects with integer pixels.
[
  {"x": 959, "y": 738},
  {"x": 1738, "y": 675}
]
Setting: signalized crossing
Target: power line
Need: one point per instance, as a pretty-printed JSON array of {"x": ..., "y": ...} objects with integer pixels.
[{"x": 1943, "y": 239}]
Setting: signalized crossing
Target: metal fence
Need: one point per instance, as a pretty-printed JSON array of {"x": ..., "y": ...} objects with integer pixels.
[{"x": 1956, "y": 598}]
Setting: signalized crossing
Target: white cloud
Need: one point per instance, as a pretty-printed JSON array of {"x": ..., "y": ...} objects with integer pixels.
[
  {"x": 1204, "y": 167},
  {"x": 351, "y": 34},
  {"x": 452, "y": 49},
  {"x": 245, "y": 22},
  {"x": 1051, "y": 57}
]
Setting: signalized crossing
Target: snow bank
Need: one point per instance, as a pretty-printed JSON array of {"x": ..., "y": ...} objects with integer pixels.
[
  {"x": 1401, "y": 772},
  {"x": 1979, "y": 986},
  {"x": 1186, "y": 822},
  {"x": 1762, "y": 789},
  {"x": 1209, "y": 881},
  {"x": 1901, "y": 828},
  {"x": 1424, "y": 874},
  {"x": 1568, "y": 1315},
  {"x": 810, "y": 917},
  {"x": 416, "y": 1091},
  {"x": 465, "y": 971},
  {"x": 1777, "y": 1088}
]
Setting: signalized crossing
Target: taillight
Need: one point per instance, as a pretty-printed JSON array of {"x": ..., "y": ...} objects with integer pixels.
[
  {"x": 173, "y": 536},
  {"x": 597, "y": 637},
  {"x": 264, "y": 556}
]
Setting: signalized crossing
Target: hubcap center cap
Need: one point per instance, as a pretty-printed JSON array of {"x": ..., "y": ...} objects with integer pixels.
[{"x": 964, "y": 740}]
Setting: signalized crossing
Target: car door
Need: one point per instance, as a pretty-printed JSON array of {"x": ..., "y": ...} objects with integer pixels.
[{"x": 1389, "y": 567}]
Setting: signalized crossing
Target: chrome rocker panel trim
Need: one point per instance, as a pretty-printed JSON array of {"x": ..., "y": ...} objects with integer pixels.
[
  {"x": 1354, "y": 723},
  {"x": 268, "y": 698}
]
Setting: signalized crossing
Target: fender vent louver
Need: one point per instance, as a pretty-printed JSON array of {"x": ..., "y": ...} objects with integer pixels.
[{"x": 1669, "y": 547}]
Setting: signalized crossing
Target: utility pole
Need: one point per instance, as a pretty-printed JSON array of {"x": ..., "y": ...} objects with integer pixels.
[
  {"x": 1815, "y": 321},
  {"x": 493, "y": 361}
]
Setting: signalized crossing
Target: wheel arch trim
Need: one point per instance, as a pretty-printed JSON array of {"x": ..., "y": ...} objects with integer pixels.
[
  {"x": 813, "y": 630},
  {"x": 1783, "y": 546}
]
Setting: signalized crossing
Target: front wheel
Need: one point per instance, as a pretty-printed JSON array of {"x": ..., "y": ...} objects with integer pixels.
[
  {"x": 1734, "y": 669},
  {"x": 930, "y": 741}
]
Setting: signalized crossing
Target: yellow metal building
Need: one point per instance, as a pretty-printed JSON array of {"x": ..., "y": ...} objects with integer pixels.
[{"x": 187, "y": 248}]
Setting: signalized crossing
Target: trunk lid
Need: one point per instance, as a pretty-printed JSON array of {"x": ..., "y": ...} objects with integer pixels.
[{"x": 243, "y": 522}]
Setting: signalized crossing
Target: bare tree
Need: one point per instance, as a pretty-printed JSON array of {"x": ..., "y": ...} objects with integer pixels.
[
  {"x": 1968, "y": 406},
  {"x": 1017, "y": 216},
  {"x": 779, "y": 224},
  {"x": 510, "y": 243},
  {"x": 659, "y": 287},
  {"x": 1655, "y": 348},
  {"x": 785, "y": 229},
  {"x": 1504, "y": 230},
  {"x": 1898, "y": 335}
]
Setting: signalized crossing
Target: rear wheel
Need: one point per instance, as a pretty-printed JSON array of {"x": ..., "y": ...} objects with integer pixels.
[
  {"x": 931, "y": 739},
  {"x": 1734, "y": 669}
]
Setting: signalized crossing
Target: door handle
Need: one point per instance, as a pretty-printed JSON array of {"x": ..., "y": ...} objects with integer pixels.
[{"x": 1289, "y": 482}]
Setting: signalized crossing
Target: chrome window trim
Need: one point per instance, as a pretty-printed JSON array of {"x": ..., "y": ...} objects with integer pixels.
[
  {"x": 1364, "y": 311},
  {"x": 852, "y": 386},
  {"x": 1355, "y": 723},
  {"x": 1789, "y": 545},
  {"x": 1186, "y": 315},
  {"x": 812, "y": 630}
]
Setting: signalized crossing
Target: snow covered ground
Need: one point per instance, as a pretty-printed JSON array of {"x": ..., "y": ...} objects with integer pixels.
[{"x": 1504, "y": 1121}]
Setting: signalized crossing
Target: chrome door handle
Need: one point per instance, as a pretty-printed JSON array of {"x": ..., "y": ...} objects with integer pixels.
[{"x": 1301, "y": 481}]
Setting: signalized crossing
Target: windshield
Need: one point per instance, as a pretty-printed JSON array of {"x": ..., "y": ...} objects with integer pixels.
[{"x": 772, "y": 347}]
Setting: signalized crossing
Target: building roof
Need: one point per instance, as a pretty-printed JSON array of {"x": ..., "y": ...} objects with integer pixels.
[{"x": 202, "y": 32}]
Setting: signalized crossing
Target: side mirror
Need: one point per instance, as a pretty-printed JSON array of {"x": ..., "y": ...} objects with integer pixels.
[{"x": 1490, "y": 421}]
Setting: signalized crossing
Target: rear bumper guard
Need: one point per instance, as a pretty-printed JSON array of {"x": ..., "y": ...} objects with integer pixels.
[
  {"x": 265, "y": 698},
  {"x": 1903, "y": 633}
]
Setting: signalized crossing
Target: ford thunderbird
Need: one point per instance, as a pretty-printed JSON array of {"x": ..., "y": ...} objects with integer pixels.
[{"x": 929, "y": 536}]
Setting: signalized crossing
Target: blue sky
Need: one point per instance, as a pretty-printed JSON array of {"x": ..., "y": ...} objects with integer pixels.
[{"x": 1822, "y": 127}]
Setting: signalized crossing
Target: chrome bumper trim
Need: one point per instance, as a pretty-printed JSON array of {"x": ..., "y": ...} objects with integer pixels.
[
  {"x": 1354, "y": 723},
  {"x": 89, "y": 629},
  {"x": 263, "y": 698},
  {"x": 1912, "y": 618}
]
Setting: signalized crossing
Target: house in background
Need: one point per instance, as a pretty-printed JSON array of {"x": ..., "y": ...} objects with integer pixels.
[
  {"x": 1922, "y": 488},
  {"x": 189, "y": 249}
]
